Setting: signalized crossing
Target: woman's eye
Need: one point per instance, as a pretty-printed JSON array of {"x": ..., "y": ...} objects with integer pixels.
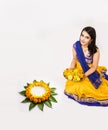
[{"x": 87, "y": 37}]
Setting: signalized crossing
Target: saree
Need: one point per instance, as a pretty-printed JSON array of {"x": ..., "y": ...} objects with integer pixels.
[
  {"x": 94, "y": 77},
  {"x": 92, "y": 90}
]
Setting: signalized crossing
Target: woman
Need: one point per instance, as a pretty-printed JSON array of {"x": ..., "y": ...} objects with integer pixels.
[{"x": 93, "y": 88}]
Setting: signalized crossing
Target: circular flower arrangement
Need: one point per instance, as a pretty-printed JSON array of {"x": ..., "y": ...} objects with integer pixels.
[
  {"x": 38, "y": 93},
  {"x": 73, "y": 74}
]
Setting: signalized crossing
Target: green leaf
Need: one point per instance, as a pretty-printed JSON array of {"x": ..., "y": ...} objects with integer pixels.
[
  {"x": 34, "y": 81},
  {"x": 25, "y": 87},
  {"x": 28, "y": 84},
  {"x": 52, "y": 99},
  {"x": 41, "y": 106},
  {"x": 23, "y": 93},
  {"x": 48, "y": 103},
  {"x": 26, "y": 100},
  {"x": 32, "y": 105},
  {"x": 42, "y": 81},
  {"x": 48, "y": 83},
  {"x": 54, "y": 94},
  {"x": 53, "y": 89}
]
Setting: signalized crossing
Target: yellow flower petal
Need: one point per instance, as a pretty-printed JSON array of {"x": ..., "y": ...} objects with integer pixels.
[{"x": 34, "y": 98}]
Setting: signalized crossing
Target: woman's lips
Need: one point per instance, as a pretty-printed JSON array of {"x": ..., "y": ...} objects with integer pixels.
[{"x": 82, "y": 42}]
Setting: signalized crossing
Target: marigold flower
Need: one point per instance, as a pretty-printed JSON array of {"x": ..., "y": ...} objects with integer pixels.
[
  {"x": 38, "y": 98},
  {"x": 73, "y": 74}
]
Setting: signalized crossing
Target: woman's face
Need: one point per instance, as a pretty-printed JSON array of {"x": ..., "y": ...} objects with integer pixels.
[{"x": 85, "y": 38}]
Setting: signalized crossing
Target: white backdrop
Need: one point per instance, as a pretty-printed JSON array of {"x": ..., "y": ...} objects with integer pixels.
[{"x": 36, "y": 37}]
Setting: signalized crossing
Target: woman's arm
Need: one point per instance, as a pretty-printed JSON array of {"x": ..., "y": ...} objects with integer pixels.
[
  {"x": 74, "y": 59},
  {"x": 93, "y": 68}
]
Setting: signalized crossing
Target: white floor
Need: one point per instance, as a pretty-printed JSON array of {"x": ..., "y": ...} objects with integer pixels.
[{"x": 29, "y": 51}]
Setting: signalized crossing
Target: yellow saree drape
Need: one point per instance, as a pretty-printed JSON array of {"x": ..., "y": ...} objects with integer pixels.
[{"x": 84, "y": 91}]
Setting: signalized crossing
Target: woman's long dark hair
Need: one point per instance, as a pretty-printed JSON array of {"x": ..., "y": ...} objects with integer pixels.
[{"x": 92, "y": 46}]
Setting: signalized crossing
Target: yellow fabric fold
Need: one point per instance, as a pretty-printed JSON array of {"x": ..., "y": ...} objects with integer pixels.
[{"x": 84, "y": 88}]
